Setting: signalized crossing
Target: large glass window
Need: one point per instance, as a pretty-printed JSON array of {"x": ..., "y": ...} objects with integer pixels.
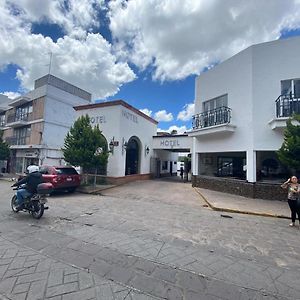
[
  {"x": 221, "y": 101},
  {"x": 290, "y": 87},
  {"x": 23, "y": 112},
  {"x": 21, "y": 134},
  {"x": 2, "y": 120}
]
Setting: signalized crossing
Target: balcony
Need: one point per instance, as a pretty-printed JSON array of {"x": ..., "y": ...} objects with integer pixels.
[
  {"x": 14, "y": 141},
  {"x": 286, "y": 106},
  {"x": 18, "y": 120},
  {"x": 212, "y": 122}
]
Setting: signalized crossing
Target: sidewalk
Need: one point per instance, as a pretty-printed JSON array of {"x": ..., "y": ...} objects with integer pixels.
[{"x": 237, "y": 204}]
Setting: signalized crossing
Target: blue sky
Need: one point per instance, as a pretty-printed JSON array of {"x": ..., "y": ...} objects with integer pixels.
[{"x": 133, "y": 50}]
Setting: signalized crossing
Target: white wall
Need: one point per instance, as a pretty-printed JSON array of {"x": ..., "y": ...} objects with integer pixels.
[
  {"x": 272, "y": 62},
  {"x": 122, "y": 124},
  {"x": 232, "y": 77},
  {"x": 59, "y": 116}
]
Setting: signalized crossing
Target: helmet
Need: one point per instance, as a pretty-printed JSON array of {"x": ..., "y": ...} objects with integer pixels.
[{"x": 32, "y": 169}]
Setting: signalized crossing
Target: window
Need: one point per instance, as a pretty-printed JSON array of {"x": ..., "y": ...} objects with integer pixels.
[
  {"x": 290, "y": 87},
  {"x": 66, "y": 171},
  {"x": 218, "y": 102},
  {"x": 23, "y": 112},
  {"x": 164, "y": 165},
  {"x": 2, "y": 120},
  {"x": 21, "y": 134}
]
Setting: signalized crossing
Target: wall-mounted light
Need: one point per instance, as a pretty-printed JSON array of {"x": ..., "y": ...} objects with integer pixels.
[
  {"x": 147, "y": 150},
  {"x": 124, "y": 146},
  {"x": 111, "y": 145}
]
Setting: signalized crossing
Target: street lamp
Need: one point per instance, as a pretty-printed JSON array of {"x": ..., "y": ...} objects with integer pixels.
[
  {"x": 124, "y": 146},
  {"x": 147, "y": 150},
  {"x": 112, "y": 145}
]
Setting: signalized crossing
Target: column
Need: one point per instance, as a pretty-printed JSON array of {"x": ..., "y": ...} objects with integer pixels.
[
  {"x": 195, "y": 157},
  {"x": 251, "y": 166}
]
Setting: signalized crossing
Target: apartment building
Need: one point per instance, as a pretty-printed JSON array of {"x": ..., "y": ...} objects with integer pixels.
[
  {"x": 241, "y": 108},
  {"x": 35, "y": 124}
]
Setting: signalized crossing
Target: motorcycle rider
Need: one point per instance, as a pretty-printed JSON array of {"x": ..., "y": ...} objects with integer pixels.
[{"x": 32, "y": 180}]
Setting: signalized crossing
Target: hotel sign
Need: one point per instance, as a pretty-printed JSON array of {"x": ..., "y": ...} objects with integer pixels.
[
  {"x": 98, "y": 120},
  {"x": 169, "y": 143},
  {"x": 129, "y": 116}
]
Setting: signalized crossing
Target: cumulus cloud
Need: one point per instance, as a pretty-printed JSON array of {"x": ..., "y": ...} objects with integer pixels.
[
  {"x": 178, "y": 129},
  {"x": 11, "y": 95},
  {"x": 179, "y": 38},
  {"x": 88, "y": 61},
  {"x": 187, "y": 112},
  {"x": 163, "y": 116},
  {"x": 146, "y": 111}
]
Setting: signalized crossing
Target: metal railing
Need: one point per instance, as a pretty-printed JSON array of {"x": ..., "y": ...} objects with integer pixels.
[
  {"x": 18, "y": 117},
  {"x": 13, "y": 140},
  {"x": 218, "y": 116},
  {"x": 287, "y": 105}
]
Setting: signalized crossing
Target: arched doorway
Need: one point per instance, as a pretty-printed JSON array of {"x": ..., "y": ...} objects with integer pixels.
[{"x": 132, "y": 156}]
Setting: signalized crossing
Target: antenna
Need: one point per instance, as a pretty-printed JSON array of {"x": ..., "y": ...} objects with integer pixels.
[{"x": 50, "y": 62}]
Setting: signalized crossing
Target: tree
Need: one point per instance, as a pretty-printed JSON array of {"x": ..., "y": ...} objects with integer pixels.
[
  {"x": 4, "y": 148},
  {"x": 85, "y": 146},
  {"x": 289, "y": 153}
]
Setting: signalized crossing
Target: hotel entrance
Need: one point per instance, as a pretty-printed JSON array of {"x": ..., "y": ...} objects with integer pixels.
[{"x": 132, "y": 156}]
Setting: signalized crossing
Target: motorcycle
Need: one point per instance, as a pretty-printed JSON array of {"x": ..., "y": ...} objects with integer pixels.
[{"x": 34, "y": 204}]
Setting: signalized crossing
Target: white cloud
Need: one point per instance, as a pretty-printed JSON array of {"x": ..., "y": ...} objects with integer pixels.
[
  {"x": 146, "y": 111},
  {"x": 187, "y": 112},
  {"x": 179, "y": 38},
  {"x": 11, "y": 95},
  {"x": 179, "y": 129},
  {"x": 88, "y": 62},
  {"x": 163, "y": 116},
  {"x": 75, "y": 17}
]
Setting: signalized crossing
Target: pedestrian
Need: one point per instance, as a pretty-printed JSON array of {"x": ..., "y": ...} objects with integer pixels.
[
  {"x": 181, "y": 172},
  {"x": 293, "y": 188}
]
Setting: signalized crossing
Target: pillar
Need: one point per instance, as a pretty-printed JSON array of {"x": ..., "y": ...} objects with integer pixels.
[
  {"x": 251, "y": 166},
  {"x": 195, "y": 157}
]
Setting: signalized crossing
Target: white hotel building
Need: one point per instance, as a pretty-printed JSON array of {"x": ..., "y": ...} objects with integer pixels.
[{"x": 241, "y": 108}]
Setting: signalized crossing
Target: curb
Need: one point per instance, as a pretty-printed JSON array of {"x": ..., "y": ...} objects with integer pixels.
[{"x": 237, "y": 211}]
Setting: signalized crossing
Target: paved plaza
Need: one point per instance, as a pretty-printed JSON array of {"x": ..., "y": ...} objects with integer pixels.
[{"x": 144, "y": 240}]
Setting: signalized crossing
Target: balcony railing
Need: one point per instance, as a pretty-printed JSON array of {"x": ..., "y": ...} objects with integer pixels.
[
  {"x": 218, "y": 116},
  {"x": 13, "y": 140},
  {"x": 287, "y": 105},
  {"x": 18, "y": 117}
]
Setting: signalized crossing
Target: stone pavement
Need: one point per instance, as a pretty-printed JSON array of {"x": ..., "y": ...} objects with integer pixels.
[
  {"x": 145, "y": 240},
  {"x": 234, "y": 203}
]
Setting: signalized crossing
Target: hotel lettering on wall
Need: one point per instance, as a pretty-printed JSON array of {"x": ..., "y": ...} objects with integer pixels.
[
  {"x": 98, "y": 120},
  {"x": 169, "y": 143},
  {"x": 129, "y": 116}
]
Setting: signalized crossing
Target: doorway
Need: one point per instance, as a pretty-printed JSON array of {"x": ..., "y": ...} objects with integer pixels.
[{"x": 132, "y": 156}]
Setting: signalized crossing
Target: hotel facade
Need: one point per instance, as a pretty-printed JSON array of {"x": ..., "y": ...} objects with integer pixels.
[{"x": 241, "y": 109}]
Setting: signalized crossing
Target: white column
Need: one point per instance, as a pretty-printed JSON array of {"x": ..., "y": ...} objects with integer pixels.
[
  {"x": 195, "y": 156},
  {"x": 251, "y": 166}
]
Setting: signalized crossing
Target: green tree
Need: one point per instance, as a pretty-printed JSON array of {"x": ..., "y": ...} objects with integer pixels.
[
  {"x": 85, "y": 146},
  {"x": 4, "y": 148},
  {"x": 289, "y": 153}
]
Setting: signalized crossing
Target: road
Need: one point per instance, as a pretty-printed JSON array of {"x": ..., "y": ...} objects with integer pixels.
[{"x": 145, "y": 240}]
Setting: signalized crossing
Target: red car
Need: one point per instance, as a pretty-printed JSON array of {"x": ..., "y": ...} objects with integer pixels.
[{"x": 62, "y": 178}]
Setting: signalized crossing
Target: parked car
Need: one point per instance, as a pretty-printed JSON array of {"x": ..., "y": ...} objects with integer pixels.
[{"x": 62, "y": 178}]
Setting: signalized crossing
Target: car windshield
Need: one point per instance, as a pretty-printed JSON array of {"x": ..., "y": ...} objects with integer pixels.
[{"x": 66, "y": 171}]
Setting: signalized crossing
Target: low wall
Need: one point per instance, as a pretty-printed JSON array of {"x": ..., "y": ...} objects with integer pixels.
[
  {"x": 240, "y": 187},
  {"x": 102, "y": 179}
]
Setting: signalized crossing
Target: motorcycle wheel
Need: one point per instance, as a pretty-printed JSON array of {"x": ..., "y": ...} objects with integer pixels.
[
  {"x": 38, "y": 210},
  {"x": 14, "y": 204}
]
